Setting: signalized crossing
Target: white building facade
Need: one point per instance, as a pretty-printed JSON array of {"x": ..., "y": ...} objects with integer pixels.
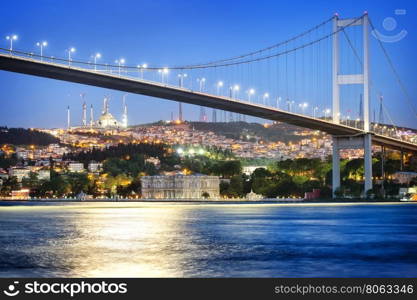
[{"x": 184, "y": 187}]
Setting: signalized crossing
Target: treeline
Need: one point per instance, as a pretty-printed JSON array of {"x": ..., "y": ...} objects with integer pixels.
[
  {"x": 22, "y": 136},
  {"x": 205, "y": 165},
  {"x": 72, "y": 184},
  {"x": 119, "y": 151},
  {"x": 294, "y": 177},
  {"x": 7, "y": 162}
]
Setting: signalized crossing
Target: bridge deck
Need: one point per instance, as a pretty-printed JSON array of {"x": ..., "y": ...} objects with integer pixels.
[{"x": 154, "y": 89}]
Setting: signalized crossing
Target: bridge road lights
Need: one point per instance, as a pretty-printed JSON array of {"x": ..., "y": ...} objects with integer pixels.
[
  {"x": 290, "y": 104},
  {"x": 163, "y": 72},
  {"x": 96, "y": 56},
  {"x": 278, "y": 101},
  {"x": 250, "y": 93},
  {"x": 327, "y": 111},
  {"x": 142, "y": 68},
  {"x": 120, "y": 63},
  {"x": 303, "y": 106},
  {"x": 315, "y": 109},
  {"x": 201, "y": 82},
  {"x": 11, "y": 38},
  {"x": 265, "y": 97},
  {"x": 41, "y": 45},
  {"x": 70, "y": 50},
  {"x": 181, "y": 79},
  {"x": 236, "y": 89},
  {"x": 219, "y": 85}
]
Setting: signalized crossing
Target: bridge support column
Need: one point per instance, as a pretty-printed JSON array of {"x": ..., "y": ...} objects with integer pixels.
[
  {"x": 352, "y": 142},
  {"x": 368, "y": 161},
  {"x": 335, "y": 166},
  {"x": 402, "y": 160}
]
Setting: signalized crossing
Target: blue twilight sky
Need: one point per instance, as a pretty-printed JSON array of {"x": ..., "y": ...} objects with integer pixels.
[{"x": 167, "y": 33}]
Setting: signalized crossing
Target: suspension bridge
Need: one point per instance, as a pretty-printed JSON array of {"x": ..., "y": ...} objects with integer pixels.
[{"x": 319, "y": 79}]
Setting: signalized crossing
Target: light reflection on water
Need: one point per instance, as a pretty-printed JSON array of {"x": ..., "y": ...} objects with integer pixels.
[{"x": 195, "y": 240}]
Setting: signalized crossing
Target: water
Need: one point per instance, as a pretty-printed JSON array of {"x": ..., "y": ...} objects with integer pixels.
[{"x": 207, "y": 240}]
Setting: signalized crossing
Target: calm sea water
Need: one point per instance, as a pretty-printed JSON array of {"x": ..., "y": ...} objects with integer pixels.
[{"x": 207, "y": 240}]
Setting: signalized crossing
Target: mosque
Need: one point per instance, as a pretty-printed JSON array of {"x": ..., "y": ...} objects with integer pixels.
[{"x": 106, "y": 119}]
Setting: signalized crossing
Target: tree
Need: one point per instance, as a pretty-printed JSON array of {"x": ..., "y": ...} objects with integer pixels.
[
  {"x": 57, "y": 186},
  {"x": 78, "y": 182},
  {"x": 205, "y": 195},
  {"x": 9, "y": 185},
  {"x": 31, "y": 182}
]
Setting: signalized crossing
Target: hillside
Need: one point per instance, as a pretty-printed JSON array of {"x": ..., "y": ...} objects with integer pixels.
[
  {"x": 251, "y": 131},
  {"x": 22, "y": 136}
]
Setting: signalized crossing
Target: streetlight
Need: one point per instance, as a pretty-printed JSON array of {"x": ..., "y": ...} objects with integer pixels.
[
  {"x": 181, "y": 79},
  {"x": 141, "y": 68},
  {"x": 303, "y": 106},
  {"x": 314, "y": 111},
  {"x": 290, "y": 103},
  {"x": 219, "y": 85},
  {"x": 41, "y": 45},
  {"x": 236, "y": 88},
  {"x": 326, "y": 112},
  {"x": 70, "y": 50},
  {"x": 250, "y": 93},
  {"x": 278, "y": 101},
  {"x": 264, "y": 97},
  {"x": 163, "y": 72},
  {"x": 120, "y": 62},
  {"x": 98, "y": 55},
  {"x": 11, "y": 38},
  {"x": 201, "y": 81}
]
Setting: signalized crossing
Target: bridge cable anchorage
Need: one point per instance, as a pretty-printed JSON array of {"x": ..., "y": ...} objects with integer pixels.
[
  {"x": 371, "y": 82},
  {"x": 396, "y": 74}
]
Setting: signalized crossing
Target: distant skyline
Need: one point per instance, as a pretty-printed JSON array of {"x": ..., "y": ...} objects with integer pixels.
[{"x": 174, "y": 33}]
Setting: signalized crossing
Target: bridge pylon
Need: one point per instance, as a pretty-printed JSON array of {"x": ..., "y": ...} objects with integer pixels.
[{"x": 345, "y": 142}]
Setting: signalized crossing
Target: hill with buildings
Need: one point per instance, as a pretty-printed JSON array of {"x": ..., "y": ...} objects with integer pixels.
[{"x": 251, "y": 131}]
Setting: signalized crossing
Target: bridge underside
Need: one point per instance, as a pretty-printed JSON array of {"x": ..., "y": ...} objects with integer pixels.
[{"x": 143, "y": 87}]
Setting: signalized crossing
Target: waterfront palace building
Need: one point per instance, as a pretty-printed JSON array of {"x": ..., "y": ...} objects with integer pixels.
[{"x": 180, "y": 187}]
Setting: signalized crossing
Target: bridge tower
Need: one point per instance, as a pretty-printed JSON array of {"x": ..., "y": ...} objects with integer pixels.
[{"x": 351, "y": 142}]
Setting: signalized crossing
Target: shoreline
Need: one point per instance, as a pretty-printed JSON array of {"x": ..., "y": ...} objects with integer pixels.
[{"x": 214, "y": 202}]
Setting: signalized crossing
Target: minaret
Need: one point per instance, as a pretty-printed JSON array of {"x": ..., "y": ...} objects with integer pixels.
[
  {"x": 124, "y": 116},
  {"x": 68, "y": 118},
  {"x": 381, "y": 111},
  {"x": 91, "y": 116},
  {"x": 180, "y": 111},
  {"x": 105, "y": 105},
  {"x": 84, "y": 114}
]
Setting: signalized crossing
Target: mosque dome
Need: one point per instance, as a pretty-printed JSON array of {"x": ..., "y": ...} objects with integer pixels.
[{"x": 107, "y": 120}]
